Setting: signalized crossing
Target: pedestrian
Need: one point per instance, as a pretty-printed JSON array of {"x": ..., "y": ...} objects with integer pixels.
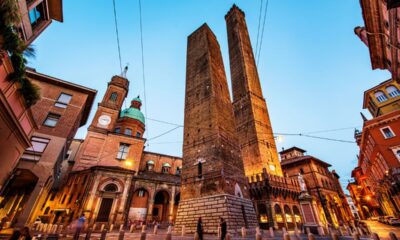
[
  {"x": 3, "y": 222},
  {"x": 15, "y": 235},
  {"x": 223, "y": 226},
  {"x": 200, "y": 229},
  {"x": 26, "y": 234},
  {"x": 79, "y": 226}
]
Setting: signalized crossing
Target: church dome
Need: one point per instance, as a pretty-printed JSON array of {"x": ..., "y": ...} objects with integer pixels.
[{"x": 134, "y": 111}]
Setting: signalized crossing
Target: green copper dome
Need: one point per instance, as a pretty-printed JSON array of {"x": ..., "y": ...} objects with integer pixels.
[{"x": 133, "y": 113}]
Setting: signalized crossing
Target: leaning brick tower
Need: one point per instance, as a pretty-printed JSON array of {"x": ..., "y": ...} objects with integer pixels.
[
  {"x": 213, "y": 181},
  {"x": 253, "y": 124}
]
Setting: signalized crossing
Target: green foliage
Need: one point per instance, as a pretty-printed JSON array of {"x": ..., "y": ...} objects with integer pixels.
[
  {"x": 30, "y": 91},
  {"x": 15, "y": 46},
  {"x": 9, "y": 13}
]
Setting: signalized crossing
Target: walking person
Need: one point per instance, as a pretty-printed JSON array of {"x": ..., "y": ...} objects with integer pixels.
[
  {"x": 200, "y": 229},
  {"x": 80, "y": 224},
  {"x": 223, "y": 226},
  {"x": 25, "y": 234}
]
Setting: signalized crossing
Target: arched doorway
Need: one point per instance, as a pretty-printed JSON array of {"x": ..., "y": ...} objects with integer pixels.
[
  {"x": 288, "y": 217},
  {"x": 262, "y": 215},
  {"x": 297, "y": 216},
  {"x": 107, "y": 202},
  {"x": 279, "y": 216},
  {"x": 366, "y": 211},
  {"x": 138, "y": 208},
  {"x": 160, "y": 209}
]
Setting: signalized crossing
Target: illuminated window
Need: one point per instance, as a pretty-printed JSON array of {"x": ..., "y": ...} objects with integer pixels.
[
  {"x": 63, "y": 100},
  {"x": 123, "y": 151}
]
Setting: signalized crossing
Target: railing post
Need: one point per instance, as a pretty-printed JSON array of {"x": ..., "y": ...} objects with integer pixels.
[
  {"x": 244, "y": 233},
  {"x": 183, "y": 230},
  {"x": 89, "y": 234},
  {"x": 311, "y": 236},
  {"x": 121, "y": 234},
  {"x": 392, "y": 236},
  {"x": 286, "y": 236},
  {"x": 271, "y": 232},
  {"x": 356, "y": 236},
  {"x": 375, "y": 236},
  {"x": 103, "y": 234}
]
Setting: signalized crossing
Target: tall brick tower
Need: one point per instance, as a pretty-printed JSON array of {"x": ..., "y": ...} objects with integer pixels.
[
  {"x": 213, "y": 181},
  {"x": 253, "y": 124}
]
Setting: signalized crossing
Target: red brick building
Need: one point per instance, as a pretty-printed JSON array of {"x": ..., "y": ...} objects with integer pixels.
[
  {"x": 376, "y": 190},
  {"x": 62, "y": 109},
  {"x": 16, "y": 120}
]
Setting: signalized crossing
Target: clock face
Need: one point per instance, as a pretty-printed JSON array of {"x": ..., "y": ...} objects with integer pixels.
[{"x": 104, "y": 120}]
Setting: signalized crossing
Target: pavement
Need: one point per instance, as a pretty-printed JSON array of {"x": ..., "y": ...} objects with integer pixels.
[{"x": 382, "y": 229}]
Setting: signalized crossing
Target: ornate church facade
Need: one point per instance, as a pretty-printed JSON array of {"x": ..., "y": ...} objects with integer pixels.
[{"x": 109, "y": 176}]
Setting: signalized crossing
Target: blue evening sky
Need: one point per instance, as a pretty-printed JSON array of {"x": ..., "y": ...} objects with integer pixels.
[{"x": 313, "y": 68}]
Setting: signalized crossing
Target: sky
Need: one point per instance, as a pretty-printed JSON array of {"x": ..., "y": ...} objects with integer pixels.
[{"x": 313, "y": 69}]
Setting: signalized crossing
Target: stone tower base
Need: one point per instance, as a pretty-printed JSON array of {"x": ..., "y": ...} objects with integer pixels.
[{"x": 237, "y": 212}]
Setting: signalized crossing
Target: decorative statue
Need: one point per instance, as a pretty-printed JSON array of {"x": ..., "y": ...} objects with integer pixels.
[
  {"x": 123, "y": 74},
  {"x": 302, "y": 183}
]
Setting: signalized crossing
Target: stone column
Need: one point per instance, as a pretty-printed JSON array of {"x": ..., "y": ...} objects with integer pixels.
[
  {"x": 171, "y": 205},
  {"x": 150, "y": 210},
  {"x": 93, "y": 193},
  {"x": 123, "y": 199}
]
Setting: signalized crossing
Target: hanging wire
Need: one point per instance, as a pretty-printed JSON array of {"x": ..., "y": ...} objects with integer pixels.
[
  {"x": 306, "y": 134},
  {"x": 116, "y": 31},
  {"x": 259, "y": 24},
  {"x": 262, "y": 32},
  {"x": 143, "y": 76}
]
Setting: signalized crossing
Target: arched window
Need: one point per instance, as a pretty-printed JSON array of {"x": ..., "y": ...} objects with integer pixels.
[
  {"x": 393, "y": 91},
  {"x": 128, "y": 131},
  {"x": 165, "y": 168},
  {"x": 150, "y": 165},
  {"x": 398, "y": 154},
  {"x": 278, "y": 214},
  {"x": 380, "y": 96},
  {"x": 113, "y": 97},
  {"x": 111, "y": 188}
]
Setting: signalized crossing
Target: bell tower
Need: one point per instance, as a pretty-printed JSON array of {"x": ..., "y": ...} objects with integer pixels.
[
  {"x": 253, "y": 124},
  {"x": 212, "y": 172},
  {"x": 108, "y": 109}
]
